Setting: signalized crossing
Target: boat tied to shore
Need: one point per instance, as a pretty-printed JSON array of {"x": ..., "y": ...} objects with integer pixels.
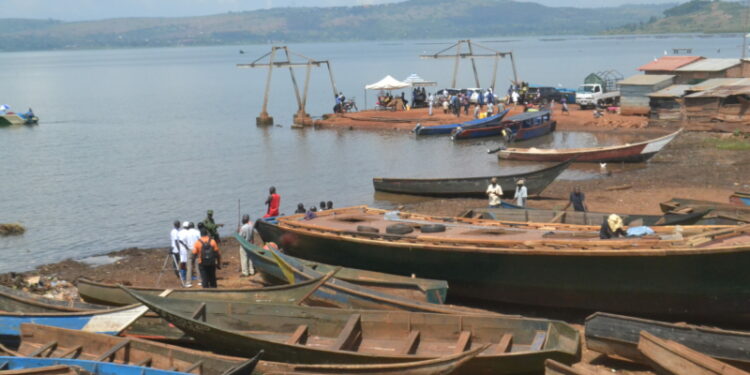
[
  {"x": 446, "y": 129},
  {"x": 521, "y": 214},
  {"x": 521, "y": 127}
]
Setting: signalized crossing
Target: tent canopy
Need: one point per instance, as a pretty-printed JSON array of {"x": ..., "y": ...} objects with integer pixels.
[
  {"x": 387, "y": 83},
  {"x": 417, "y": 81}
]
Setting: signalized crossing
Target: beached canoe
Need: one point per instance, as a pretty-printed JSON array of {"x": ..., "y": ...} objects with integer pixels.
[
  {"x": 720, "y": 213},
  {"x": 523, "y": 126},
  {"x": 297, "y": 334},
  {"x": 536, "y": 182},
  {"x": 631, "y": 152},
  {"x": 740, "y": 198},
  {"x": 673, "y": 358},
  {"x": 446, "y": 129},
  {"x": 580, "y": 218},
  {"x": 92, "y": 346},
  {"x": 694, "y": 272},
  {"x": 339, "y": 293},
  {"x": 47, "y": 370},
  {"x": 618, "y": 335},
  {"x": 110, "y": 294},
  {"x": 13, "y": 300},
  {"x": 15, "y": 364}
]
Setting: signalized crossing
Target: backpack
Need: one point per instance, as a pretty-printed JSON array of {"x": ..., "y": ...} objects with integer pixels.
[{"x": 208, "y": 254}]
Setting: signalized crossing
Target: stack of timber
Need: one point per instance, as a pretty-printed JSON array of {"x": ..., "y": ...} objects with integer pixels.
[
  {"x": 555, "y": 265},
  {"x": 720, "y": 213},
  {"x": 313, "y": 335},
  {"x": 51, "y": 342},
  {"x": 580, "y": 218}
]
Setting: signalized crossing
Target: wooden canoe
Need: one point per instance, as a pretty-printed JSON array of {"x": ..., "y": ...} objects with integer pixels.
[
  {"x": 635, "y": 152},
  {"x": 552, "y": 367},
  {"x": 618, "y": 335},
  {"x": 446, "y": 129},
  {"x": 740, "y": 199},
  {"x": 91, "y": 367},
  {"x": 296, "y": 334},
  {"x": 47, "y": 370},
  {"x": 110, "y": 294},
  {"x": 677, "y": 359},
  {"x": 427, "y": 290},
  {"x": 554, "y": 265},
  {"x": 723, "y": 213},
  {"x": 580, "y": 218},
  {"x": 523, "y": 126},
  {"x": 44, "y": 341},
  {"x": 13, "y": 300},
  {"x": 341, "y": 294},
  {"x": 536, "y": 182}
]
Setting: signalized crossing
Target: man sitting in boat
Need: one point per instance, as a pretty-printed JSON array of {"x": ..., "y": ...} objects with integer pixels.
[
  {"x": 495, "y": 192},
  {"x": 612, "y": 228}
]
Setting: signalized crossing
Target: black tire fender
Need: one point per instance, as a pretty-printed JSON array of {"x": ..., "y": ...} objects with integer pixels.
[
  {"x": 433, "y": 228},
  {"x": 366, "y": 229},
  {"x": 399, "y": 229}
]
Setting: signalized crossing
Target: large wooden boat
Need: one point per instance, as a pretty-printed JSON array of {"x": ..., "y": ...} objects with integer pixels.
[
  {"x": 339, "y": 293},
  {"x": 556, "y": 265},
  {"x": 536, "y": 182},
  {"x": 523, "y": 126},
  {"x": 673, "y": 358},
  {"x": 618, "y": 335},
  {"x": 13, "y": 300},
  {"x": 313, "y": 335},
  {"x": 579, "y": 218},
  {"x": 44, "y": 341},
  {"x": 110, "y": 294},
  {"x": 635, "y": 152},
  {"x": 44, "y": 366},
  {"x": 448, "y": 128},
  {"x": 720, "y": 213},
  {"x": 739, "y": 198}
]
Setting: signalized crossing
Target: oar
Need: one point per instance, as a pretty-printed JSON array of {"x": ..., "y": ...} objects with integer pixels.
[{"x": 320, "y": 283}]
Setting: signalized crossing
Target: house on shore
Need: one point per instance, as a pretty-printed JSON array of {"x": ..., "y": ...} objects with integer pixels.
[{"x": 634, "y": 91}]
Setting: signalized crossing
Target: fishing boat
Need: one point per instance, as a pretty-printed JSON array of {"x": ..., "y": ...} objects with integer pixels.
[
  {"x": 720, "y": 213},
  {"x": 296, "y": 334},
  {"x": 44, "y": 341},
  {"x": 547, "y": 264},
  {"x": 13, "y": 300},
  {"x": 674, "y": 358},
  {"x": 631, "y": 152},
  {"x": 740, "y": 198},
  {"x": 535, "y": 181},
  {"x": 110, "y": 294},
  {"x": 415, "y": 288},
  {"x": 448, "y": 128},
  {"x": 523, "y": 126},
  {"x": 521, "y": 214},
  {"x": 339, "y": 293},
  {"x": 8, "y": 118},
  {"x": 8, "y": 363},
  {"x": 618, "y": 335},
  {"x": 552, "y": 367}
]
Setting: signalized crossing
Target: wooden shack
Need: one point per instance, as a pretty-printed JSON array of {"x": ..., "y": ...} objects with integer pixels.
[
  {"x": 634, "y": 91},
  {"x": 709, "y": 68},
  {"x": 720, "y": 104},
  {"x": 666, "y": 106}
]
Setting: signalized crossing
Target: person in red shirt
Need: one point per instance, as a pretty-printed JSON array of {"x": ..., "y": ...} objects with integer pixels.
[
  {"x": 273, "y": 202},
  {"x": 209, "y": 259}
]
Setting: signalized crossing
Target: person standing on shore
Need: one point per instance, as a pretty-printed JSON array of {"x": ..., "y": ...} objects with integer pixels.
[
  {"x": 430, "y": 103},
  {"x": 273, "y": 202},
  {"x": 206, "y": 250},
  {"x": 564, "y": 103},
  {"x": 184, "y": 250},
  {"x": 495, "y": 192},
  {"x": 246, "y": 232},
  {"x": 191, "y": 237},
  {"x": 211, "y": 226},
  {"x": 577, "y": 199},
  {"x": 521, "y": 193},
  {"x": 174, "y": 240}
]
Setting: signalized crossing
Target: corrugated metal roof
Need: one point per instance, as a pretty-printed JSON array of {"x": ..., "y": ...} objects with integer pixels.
[
  {"x": 646, "y": 79},
  {"x": 674, "y": 91},
  {"x": 669, "y": 63},
  {"x": 722, "y": 92},
  {"x": 716, "y": 82},
  {"x": 709, "y": 65}
]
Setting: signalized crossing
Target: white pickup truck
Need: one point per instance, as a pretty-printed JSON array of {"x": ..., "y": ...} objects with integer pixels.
[{"x": 590, "y": 95}]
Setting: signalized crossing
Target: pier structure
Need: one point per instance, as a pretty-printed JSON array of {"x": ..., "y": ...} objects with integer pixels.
[{"x": 465, "y": 49}]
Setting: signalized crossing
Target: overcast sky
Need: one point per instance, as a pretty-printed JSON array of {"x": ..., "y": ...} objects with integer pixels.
[{"x": 74, "y": 10}]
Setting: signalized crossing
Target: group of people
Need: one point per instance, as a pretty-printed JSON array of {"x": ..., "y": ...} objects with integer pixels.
[
  {"x": 193, "y": 245},
  {"x": 495, "y": 193},
  {"x": 388, "y": 101},
  {"x": 462, "y": 101}
]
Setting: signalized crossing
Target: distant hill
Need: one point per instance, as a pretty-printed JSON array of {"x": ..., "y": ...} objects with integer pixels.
[
  {"x": 412, "y": 19},
  {"x": 696, "y": 16}
]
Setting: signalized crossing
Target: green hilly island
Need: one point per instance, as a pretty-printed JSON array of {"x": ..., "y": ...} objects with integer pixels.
[{"x": 696, "y": 16}]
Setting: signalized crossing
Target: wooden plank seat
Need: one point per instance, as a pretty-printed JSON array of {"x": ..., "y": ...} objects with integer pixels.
[
  {"x": 299, "y": 336},
  {"x": 538, "y": 342},
  {"x": 350, "y": 336},
  {"x": 411, "y": 344},
  {"x": 49, "y": 346},
  {"x": 464, "y": 342}
]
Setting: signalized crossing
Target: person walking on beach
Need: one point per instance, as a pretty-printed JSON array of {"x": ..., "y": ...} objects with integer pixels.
[
  {"x": 465, "y": 102},
  {"x": 246, "y": 232},
  {"x": 576, "y": 199},
  {"x": 521, "y": 193},
  {"x": 564, "y": 103},
  {"x": 209, "y": 258},
  {"x": 211, "y": 226},
  {"x": 273, "y": 202},
  {"x": 430, "y": 103},
  {"x": 495, "y": 192}
]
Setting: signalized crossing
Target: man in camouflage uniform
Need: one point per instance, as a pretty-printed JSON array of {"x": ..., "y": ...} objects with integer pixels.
[{"x": 211, "y": 226}]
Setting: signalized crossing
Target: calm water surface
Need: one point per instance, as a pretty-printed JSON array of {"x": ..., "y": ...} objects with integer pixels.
[{"x": 131, "y": 140}]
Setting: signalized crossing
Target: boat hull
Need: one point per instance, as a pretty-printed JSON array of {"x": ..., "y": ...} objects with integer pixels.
[
  {"x": 92, "y": 367},
  {"x": 536, "y": 182},
  {"x": 520, "y": 214},
  {"x": 701, "y": 284},
  {"x": 740, "y": 199},
  {"x": 449, "y": 128}
]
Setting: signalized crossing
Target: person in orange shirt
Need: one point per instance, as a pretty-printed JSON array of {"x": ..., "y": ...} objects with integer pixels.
[{"x": 209, "y": 259}]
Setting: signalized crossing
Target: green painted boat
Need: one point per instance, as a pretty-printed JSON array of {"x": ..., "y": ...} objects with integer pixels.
[
  {"x": 552, "y": 265},
  {"x": 14, "y": 300},
  {"x": 56, "y": 342},
  {"x": 296, "y": 334}
]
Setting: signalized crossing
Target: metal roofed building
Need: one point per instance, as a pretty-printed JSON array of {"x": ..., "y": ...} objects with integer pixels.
[
  {"x": 711, "y": 68},
  {"x": 666, "y": 105},
  {"x": 728, "y": 103},
  {"x": 668, "y": 64},
  {"x": 634, "y": 91}
]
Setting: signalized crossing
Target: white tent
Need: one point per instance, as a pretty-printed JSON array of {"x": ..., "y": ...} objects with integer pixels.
[
  {"x": 417, "y": 81},
  {"x": 387, "y": 83}
]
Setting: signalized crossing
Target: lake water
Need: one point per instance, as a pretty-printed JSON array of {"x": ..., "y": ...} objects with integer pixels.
[{"x": 131, "y": 140}]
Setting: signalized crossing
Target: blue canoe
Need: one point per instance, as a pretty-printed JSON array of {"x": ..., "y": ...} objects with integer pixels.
[
  {"x": 740, "y": 198},
  {"x": 94, "y": 367},
  {"x": 448, "y": 128}
]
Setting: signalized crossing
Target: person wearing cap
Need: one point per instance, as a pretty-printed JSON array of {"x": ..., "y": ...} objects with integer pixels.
[
  {"x": 521, "y": 193},
  {"x": 246, "y": 232},
  {"x": 174, "y": 240},
  {"x": 211, "y": 226},
  {"x": 612, "y": 227},
  {"x": 495, "y": 192}
]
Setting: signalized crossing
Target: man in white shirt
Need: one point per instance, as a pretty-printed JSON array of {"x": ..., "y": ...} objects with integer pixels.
[
  {"x": 191, "y": 237},
  {"x": 175, "y": 246},
  {"x": 495, "y": 192},
  {"x": 246, "y": 232},
  {"x": 521, "y": 193},
  {"x": 184, "y": 252}
]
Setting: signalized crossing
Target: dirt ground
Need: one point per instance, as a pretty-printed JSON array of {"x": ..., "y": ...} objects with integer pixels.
[{"x": 691, "y": 167}]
